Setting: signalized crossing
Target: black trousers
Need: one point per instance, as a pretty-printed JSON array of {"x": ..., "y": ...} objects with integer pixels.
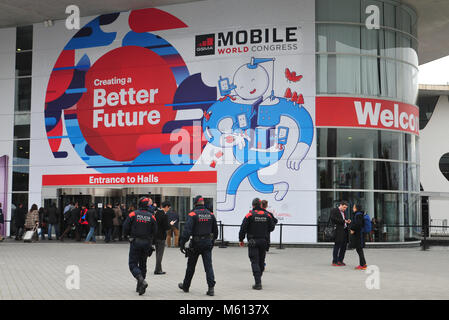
[
  {"x": 206, "y": 254},
  {"x": 361, "y": 256},
  {"x": 160, "y": 248},
  {"x": 339, "y": 251},
  {"x": 68, "y": 229},
  {"x": 257, "y": 250},
  {"x": 139, "y": 251}
]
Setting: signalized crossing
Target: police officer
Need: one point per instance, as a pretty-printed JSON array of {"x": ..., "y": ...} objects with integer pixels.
[
  {"x": 256, "y": 226},
  {"x": 201, "y": 225},
  {"x": 141, "y": 227}
]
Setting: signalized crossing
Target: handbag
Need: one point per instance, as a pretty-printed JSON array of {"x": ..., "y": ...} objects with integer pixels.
[
  {"x": 28, "y": 237},
  {"x": 330, "y": 231}
]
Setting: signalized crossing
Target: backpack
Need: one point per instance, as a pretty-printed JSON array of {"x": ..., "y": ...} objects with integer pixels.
[{"x": 367, "y": 227}]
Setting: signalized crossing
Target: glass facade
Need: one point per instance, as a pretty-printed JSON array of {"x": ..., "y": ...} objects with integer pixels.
[
  {"x": 22, "y": 116},
  {"x": 377, "y": 168},
  {"x": 357, "y": 61}
]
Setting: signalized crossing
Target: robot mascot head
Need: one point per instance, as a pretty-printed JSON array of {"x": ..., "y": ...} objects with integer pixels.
[{"x": 251, "y": 80}]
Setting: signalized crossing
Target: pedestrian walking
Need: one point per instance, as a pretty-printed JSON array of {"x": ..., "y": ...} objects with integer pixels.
[
  {"x": 140, "y": 226},
  {"x": 256, "y": 227},
  {"x": 173, "y": 232},
  {"x": 72, "y": 222},
  {"x": 159, "y": 241},
  {"x": 32, "y": 221},
  {"x": 107, "y": 222},
  {"x": 202, "y": 230},
  {"x": 20, "y": 216},
  {"x": 53, "y": 221},
  {"x": 117, "y": 223},
  {"x": 92, "y": 220}
]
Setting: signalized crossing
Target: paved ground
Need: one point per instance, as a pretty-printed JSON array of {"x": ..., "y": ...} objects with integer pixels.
[{"x": 38, "y": 271}]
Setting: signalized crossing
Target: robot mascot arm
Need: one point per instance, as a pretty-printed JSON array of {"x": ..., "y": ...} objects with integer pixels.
[
  {"x": 220, "y": 132},
  {"x": 306, "y": 130},
  {"x": 296, "y": 157}
]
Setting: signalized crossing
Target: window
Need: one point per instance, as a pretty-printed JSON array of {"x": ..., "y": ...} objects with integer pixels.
[{"x": 23, "y": 94}]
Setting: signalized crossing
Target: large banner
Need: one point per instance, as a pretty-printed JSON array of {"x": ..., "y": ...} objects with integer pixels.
[{"x": 227, "y": 87}]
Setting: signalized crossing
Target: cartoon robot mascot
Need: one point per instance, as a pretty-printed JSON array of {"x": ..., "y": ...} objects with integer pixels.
[{"x": 252, "y": 126}]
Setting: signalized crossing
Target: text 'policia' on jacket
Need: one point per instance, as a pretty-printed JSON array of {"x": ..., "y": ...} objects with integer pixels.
[
  {"x": 201, "y": 224},
  {"x": 140, "y": 224},
  {"x": 257, "y": 224}
]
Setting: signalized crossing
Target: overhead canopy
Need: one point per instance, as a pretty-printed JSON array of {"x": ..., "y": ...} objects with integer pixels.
[{"x": 433, "y": 17}]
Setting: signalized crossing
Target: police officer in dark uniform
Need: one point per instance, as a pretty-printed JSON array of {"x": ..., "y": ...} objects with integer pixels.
[
  {"x": 201, "y": 225},
  {"x": 141, "y": 227},
  {"x": 256, "y": 226}
]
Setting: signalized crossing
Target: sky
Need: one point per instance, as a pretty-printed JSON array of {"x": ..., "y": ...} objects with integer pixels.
[{"x": 435, "y": 72}]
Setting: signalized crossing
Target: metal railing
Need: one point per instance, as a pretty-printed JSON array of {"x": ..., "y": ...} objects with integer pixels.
[
  {"x": 438, "y": 228},
  {"x": 423, "y": 232}
]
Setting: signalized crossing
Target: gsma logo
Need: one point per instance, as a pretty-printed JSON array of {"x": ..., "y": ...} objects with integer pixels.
[{"x": 205, "y": 44}]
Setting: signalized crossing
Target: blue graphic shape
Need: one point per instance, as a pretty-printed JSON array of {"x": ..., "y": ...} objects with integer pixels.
[{"x": 91, "y": 35}]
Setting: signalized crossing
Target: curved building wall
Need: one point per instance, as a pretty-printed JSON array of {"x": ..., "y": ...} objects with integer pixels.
[{"x": 376, "y": 168}]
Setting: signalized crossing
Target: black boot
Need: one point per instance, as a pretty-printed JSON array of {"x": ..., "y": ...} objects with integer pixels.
[
  {"x": 257, "y": 286},
  {"x": 181, "y": 286},
  {"x": 210, "y": 292},
  {"x": 141, "y": 285}
]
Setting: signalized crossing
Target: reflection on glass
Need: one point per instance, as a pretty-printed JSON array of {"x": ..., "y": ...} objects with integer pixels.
[
  {"x": 20, "y": 178},
  {"x": 24, "y": 38},
  {"x": 21, "y": 152},
  {"x": 23, "y": 94},
  {"x": 366, "y": 174},
  {"x": 20, "y": 198},
  {"x": 23, "y": 63},
  {"x": 22, "y": 126},
  {"x": 363, "y": 143}
]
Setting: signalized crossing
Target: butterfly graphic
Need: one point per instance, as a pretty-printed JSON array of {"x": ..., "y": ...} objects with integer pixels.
[{"x": 291, "y": 75}]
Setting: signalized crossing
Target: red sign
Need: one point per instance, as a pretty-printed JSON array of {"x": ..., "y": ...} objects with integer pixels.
[
  {"x": 366, "y": 113},
  {"x": 145, "y": 178}
]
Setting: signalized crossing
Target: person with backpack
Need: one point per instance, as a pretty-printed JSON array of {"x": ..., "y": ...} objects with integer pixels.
[
  {"x": 356, "y": 235},
  {"x": 367, "y": 227}
]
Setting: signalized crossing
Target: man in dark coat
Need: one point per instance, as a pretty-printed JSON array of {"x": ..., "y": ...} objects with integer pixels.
[
  {"x": 20, "y": 216},
  {"x": 72, "y": 223},
  {"x": 256, "y": 227},
  {"x": 338, "y": 218},
  {"x": 53, "y": 221},
  {"x": 92, "y": 220},
  {"x": 173, "y": 219},
  {"x": 201, "y": 225},
  {"x": 161, "y": 235},
  {"x": 108, "y": 216}
]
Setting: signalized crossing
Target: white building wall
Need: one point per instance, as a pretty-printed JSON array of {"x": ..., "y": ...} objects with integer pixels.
[{"x": 434, "y": 143}]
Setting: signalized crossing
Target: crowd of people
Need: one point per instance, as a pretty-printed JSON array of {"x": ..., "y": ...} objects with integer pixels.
[{"x": 82, "y": 222}]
